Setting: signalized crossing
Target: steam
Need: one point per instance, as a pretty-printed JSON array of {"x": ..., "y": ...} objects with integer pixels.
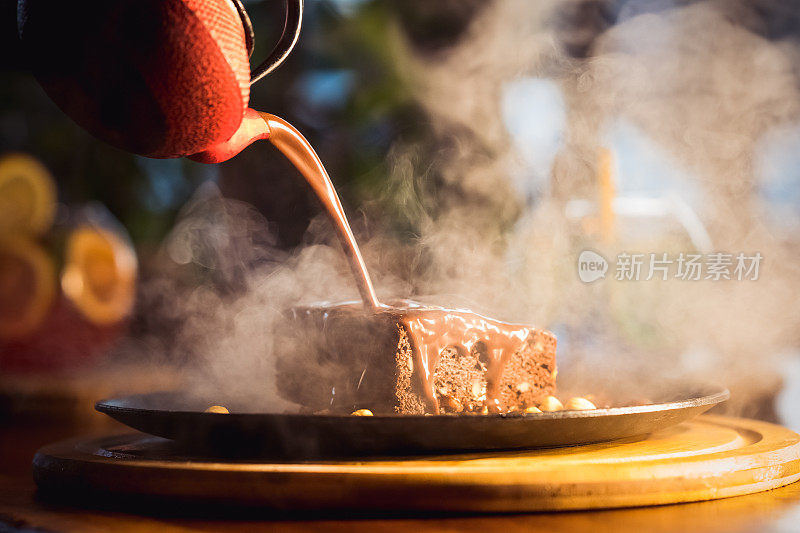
[
  {"x": 700, "y": 87},
  {"x": 493, "y": 230},
  {"x": 227, "y": 295}
]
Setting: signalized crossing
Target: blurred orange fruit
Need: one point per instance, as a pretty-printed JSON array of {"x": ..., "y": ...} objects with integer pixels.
[
  {"x": 27, "y": 287},
  {"x": 27, "y": 196},
  {"x": 99, "y": 275}
]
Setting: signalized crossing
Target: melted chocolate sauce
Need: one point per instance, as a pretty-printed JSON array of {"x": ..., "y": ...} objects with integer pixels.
[{"x": 430, "y": 329}]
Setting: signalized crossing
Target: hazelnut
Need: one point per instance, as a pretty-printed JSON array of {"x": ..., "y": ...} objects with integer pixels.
[
  {"x": 362, "y": 412},
  {"x": 579, "y": 404},
  {"x": 551, "y": 403},
  {"x": 531, "y": 410},
  {"x": 218, "y": 409},
  {"x": 523, "y": 387}
]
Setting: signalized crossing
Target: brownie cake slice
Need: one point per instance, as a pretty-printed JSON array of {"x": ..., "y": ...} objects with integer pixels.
[{"x": 412, "y": 359}]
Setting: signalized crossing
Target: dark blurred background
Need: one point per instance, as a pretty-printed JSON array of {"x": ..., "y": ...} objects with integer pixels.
[{"x": 343, "y": 87}]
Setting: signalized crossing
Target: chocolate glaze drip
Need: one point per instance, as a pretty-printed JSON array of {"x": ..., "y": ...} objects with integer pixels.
[{"x": 430, "y": 329}]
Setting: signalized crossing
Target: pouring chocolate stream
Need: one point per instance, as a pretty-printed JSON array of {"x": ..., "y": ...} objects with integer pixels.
[
  {"x": 299, "y": 151},
  {"x": 431, "y": 329}
]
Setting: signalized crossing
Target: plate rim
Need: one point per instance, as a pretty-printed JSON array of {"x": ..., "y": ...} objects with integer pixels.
[{"x": 720, "y": 394}]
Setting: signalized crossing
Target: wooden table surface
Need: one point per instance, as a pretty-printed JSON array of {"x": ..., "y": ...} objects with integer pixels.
[{"x": 20, "y": 508}]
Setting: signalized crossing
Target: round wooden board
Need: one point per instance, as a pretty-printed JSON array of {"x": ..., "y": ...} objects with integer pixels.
[{"x": 710, "y": 457}]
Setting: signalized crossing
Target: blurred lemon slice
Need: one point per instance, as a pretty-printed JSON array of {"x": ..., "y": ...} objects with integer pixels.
[
  {"x": 27, "y": 287},
  {"x": 27, "y": 196},
  {"x": 99, "y": 275}
]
